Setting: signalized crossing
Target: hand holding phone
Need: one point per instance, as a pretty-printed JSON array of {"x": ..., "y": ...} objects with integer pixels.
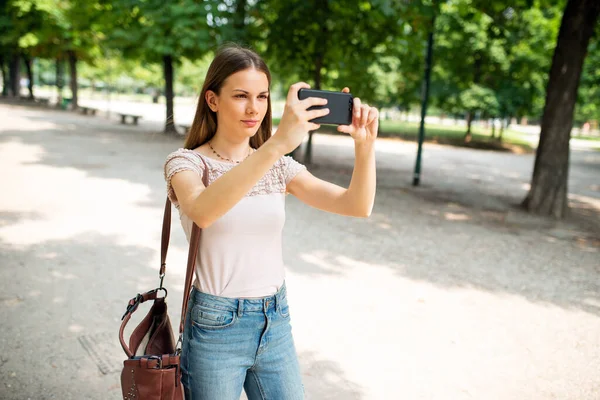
[
  {"x": 340, "y": 106},
  {"x": 297, "y": 119},
  {"x": 365, "y": 122}
]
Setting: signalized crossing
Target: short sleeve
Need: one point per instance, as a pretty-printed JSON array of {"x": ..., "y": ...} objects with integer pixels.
[
  {"x": 180, "y": 160},
  {"x": 291, "y": 168}
]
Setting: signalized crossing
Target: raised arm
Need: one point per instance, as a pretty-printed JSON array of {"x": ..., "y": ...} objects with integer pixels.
[
  {"x": 357, "y": 200},
  {"x": 204, "y": 205}
]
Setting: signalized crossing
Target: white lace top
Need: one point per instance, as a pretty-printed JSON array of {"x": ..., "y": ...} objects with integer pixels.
[{"x": 240, "y": 254}]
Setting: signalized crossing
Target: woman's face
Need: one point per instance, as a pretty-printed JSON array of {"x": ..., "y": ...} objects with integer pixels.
[{"x": 242, "y": 104}]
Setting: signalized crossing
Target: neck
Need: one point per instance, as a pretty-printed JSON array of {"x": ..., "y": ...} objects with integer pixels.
[{"x": 232, "y": 149}]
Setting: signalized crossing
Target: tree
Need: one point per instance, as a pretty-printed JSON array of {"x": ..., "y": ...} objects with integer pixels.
[
  {"x": 58, "y": 29},
  {"x": 530, "y": 36},
  {"x": 331, "y": 44},
  {"x": 471, "y": 57},
  {"x": 82, "y": 25},
  {"x": 505, "y": 48},
  {"x": 17, "y": 19},
  {"x": 548, "y": 192},
  {"x": 480, "y": 99},
  {"x": 42, "y": 36},
  {"x": 400, "y": 60},
  {"x": 158, "y": 32}
]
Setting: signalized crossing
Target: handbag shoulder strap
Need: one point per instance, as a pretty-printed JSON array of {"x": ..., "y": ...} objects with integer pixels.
[{"x": 192, "y": 253}]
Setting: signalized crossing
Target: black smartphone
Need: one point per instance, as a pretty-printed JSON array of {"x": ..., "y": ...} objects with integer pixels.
[{"x": 339, "y": 104}]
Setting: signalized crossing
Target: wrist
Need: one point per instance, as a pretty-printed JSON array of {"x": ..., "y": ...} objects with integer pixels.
[
  {"x": 364, "y": 145},
  {"x": 274, "y": 147}
]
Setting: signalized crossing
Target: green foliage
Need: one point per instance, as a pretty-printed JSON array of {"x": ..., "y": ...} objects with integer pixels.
[
  {"x": 489, "y": 56},
  {"x": 479, "y": 98},
  {"x": 190, "y": 77},
  {"x": 330, "y": 44},
  {"x": 151, "y": 29},
  {"x": 507, "y": 49},
  {"x": 18, "y": 19},
  {"x": 588, "y": 100}
]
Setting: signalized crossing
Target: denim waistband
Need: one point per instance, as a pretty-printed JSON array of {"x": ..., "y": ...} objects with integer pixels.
[{"x": 276, "y": 300}]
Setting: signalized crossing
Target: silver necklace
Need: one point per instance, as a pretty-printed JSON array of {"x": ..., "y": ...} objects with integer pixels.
[{"x": 228, "y": 159}]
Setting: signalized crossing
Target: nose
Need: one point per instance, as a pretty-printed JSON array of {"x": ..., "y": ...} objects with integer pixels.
[{"x": 251, "y": 108}]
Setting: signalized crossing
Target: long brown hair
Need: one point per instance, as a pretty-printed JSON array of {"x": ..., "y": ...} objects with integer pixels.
[{"x": 228, "y": 60}]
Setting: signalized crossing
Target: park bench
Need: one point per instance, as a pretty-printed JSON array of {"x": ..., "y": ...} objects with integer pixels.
[
  {"x": 42, "y": 100},
  {"x": 88, "y": 110},
  {"x": 134, "y": 118}
]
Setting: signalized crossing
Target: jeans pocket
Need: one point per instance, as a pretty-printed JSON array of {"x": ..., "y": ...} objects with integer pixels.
[
  {"x": 284, "y": 310},
  {"x": 210, "y": 318}
]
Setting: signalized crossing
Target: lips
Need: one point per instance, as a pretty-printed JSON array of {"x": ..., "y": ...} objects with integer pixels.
[{"x": 250, "y": 122}]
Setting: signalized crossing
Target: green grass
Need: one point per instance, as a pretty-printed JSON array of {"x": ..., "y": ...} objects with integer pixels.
[
  {"x": 454, "y": 135},
  {"x": 450, "y": 135},
  {"x": 583, "y": 137}
]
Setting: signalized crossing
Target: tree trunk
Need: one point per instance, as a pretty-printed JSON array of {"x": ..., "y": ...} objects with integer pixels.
[
  {"x": 59, "y": 82},
  {"x": 14, "y": 71},
  {"x": 4, "y": 76},
  {"x": 169, "y": 95},
  {"x": 469, "y": 121},
  {"x": 319, "y": 58},
  {"x": 476, "y": 80},
  {"x": 74, "y": 86},
  {"x": 317, "y": 72},
  {"x": 493, "y": 129},
  {"x": 548, "y": 192},
  {"x": 29, "y": 67},
  {"x": 317, "y": 78}
]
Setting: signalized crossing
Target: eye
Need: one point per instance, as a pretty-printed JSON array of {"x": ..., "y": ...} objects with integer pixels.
[
  {"x": 240, "y": 96},
  {"x": 263, "y": 96}
]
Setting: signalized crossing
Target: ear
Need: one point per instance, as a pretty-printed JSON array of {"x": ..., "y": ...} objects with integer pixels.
[{"x": 212, "y": 100}]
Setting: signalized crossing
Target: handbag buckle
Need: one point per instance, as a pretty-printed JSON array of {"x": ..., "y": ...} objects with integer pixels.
[
  {"x": 158, "y": 360},
  {"x": 133, "y": 303},
  {"x": 162, "y": 277}
]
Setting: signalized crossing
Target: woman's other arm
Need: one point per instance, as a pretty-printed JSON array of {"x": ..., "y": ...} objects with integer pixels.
[{"x": 358, "y": 199}]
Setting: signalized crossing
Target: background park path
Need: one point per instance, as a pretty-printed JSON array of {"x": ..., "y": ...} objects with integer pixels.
[{"x": 448, "y": 291}]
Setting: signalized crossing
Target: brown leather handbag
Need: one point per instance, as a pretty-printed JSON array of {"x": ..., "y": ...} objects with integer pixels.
[{"x": 152, "y": 370}]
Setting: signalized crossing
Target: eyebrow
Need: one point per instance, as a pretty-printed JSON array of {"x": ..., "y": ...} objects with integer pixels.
[{"x": 241, "y": 90}]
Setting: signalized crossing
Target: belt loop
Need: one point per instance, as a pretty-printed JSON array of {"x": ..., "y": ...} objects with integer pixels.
[
  {"x": 240, "y": 307},
  {"x": 278, "y": 301}
]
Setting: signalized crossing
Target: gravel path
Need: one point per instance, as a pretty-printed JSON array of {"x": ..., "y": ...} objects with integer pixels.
[{"x": 447, "y": 292}]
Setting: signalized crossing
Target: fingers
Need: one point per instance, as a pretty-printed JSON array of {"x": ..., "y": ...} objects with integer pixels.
[
  {"x": 313, "y": 101},
  {"x": 312, "y": 114},
  {"x": 373, "y": 115},
  {"x": 292, "y": 96},
  {"x": 356, "y": 110},
  {"x": 364, "y": 114}
]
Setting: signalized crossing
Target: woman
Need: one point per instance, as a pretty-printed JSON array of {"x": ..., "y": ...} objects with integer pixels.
[{"x": 237, "y": 330}]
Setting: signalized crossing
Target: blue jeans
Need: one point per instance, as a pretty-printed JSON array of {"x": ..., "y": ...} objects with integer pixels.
[{"x": 233, "y": 343}]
